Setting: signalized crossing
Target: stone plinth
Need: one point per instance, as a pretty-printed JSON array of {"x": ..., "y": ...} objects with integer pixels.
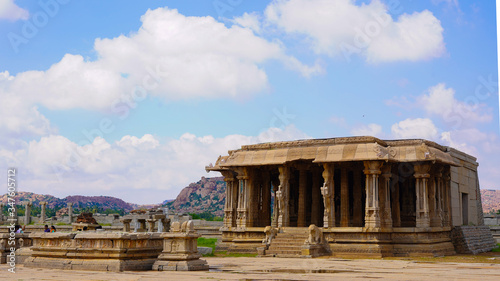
[
  {"x": 398, "y": 242},
  {"x": 112, "y": 251},
  {"x": 180, "y": 251}
]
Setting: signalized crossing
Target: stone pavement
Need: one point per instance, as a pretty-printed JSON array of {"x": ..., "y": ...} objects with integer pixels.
[{"x": 245, "y": 268}]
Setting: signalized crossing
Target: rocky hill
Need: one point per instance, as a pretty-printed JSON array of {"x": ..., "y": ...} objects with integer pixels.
[
  {"x": 105, "y": 202},
  {"x": 102, "y": 202},
  {"x": 206, "y": 195},
  {"x": 491, "y": 200}
]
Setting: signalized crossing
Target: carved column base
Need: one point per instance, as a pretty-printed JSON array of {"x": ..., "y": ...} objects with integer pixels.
[
  {"x": 436, "y": 221},
  {"x": 241, "y": 220},
  {"x": 423, "y": 220},
  {"x": 228, "y": 218},
  {"x": 372, "y": 218}
]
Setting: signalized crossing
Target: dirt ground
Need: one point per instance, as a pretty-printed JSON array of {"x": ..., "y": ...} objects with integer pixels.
[{"x": 486, "y": 267}]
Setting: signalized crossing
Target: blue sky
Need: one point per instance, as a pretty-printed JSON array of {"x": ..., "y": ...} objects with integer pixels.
[{"x": 133, "y": 98}]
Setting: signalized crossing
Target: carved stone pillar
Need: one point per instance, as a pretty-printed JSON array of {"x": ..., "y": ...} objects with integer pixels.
[
  {"x": 241, "y": 221},
  {"x": 27, "y": 212},
  {"x": 421, "y": 189},
  {"x": 43, "y": 204},
  {"x": 315, "y": 198},
  {"x": 357, "y": 193},
  {"x": 396, "y": 208},
  {"x": 126, "y": 224},
  {"x": 283, "y": 195},
  {"x": 228, "y": 207},
  {"x": 344, "y": 197},
  {"x": 372, "y": 209},
  {"x": 385, "y": 197},
  {"x": 70, "y": 212},
  {"x": 328, "y": 192},
  {"x": 301, "y": 221}
]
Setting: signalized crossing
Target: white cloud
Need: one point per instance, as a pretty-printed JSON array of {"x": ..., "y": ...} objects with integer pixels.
[
  {"x": 374, "y": 130},
  {"x": 340, "y": 27},
  {"x": 418, "y": 128},
  {"x": 10, "y": 11},
  {"x": 136, "y": 169},
  {"x": 441, "y": 101},
  {"x": 18, "y": 117},
  {"x": 171, "y": 56},
  {"x": 251, "y": 21}
]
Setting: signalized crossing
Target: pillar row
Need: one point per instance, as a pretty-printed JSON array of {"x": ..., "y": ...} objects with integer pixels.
[
  {"x": 372, "y": 213},
  {"x": 385, "y": 197},
  {"x": 421, "y": 188},
  {"x": 229, "y": 206}
]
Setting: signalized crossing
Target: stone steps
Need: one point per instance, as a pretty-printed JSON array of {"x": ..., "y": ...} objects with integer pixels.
[{"x": 288, "y": 243}]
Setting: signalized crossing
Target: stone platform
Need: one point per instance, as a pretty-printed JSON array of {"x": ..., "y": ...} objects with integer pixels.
[
  {"x": 347, "y": 242},
  {"x": 180, "y": 251},
  {"x": 112, "y": 251}
]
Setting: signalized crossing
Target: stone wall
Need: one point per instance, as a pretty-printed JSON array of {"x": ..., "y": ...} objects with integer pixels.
[
  {"x": 492, "y": 220},
  {"x": 472, "y": 239}
]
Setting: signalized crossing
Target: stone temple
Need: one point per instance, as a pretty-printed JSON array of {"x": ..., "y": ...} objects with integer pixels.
[{"x": 358, "y": 196}]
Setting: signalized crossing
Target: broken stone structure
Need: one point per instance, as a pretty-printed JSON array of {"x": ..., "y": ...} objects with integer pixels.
[
  {"x": 27, "y": 212},
  {"x": 365, "y": 195},
  {"x": 145, "y": 221},
  {"x": 43, "y": 205},
  {"x": 85, "y": 220}
]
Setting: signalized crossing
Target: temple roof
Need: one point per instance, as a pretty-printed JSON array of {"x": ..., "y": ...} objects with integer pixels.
[{"x": 335, "y": 150}]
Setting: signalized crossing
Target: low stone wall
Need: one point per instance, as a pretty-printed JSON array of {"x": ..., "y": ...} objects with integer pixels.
[
  {"x": 495, "y": 231},
  {"x": 492, "y": 220},
  {"x": 104, "y": 251},
  {"x": 472, "y": 239}
]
